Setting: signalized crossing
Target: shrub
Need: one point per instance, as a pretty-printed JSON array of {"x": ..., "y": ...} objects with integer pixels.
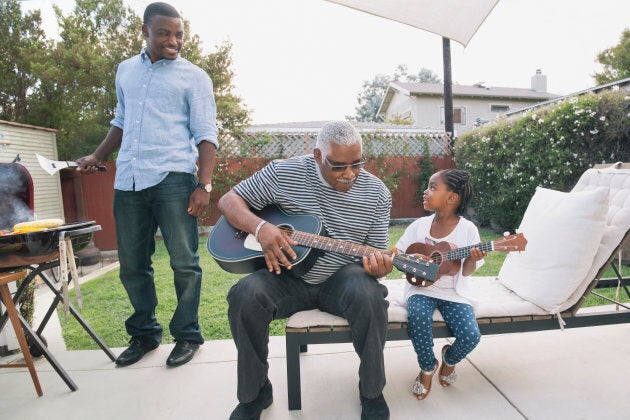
[{"x": 549, "y": 147}]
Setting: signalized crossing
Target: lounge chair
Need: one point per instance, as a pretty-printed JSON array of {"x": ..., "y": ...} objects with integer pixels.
[{"x": 594, "y": 217}]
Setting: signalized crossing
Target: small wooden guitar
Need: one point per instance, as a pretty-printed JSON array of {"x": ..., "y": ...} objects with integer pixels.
[
  {"x": 449, "y": 259},
  {"x": 238, "y": 252}
]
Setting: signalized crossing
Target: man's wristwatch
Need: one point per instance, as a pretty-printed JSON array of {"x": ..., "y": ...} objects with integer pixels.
[{"x": 207, "y": 187}]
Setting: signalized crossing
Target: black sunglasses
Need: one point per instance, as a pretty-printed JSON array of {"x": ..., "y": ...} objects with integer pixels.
[{"x": 341, "y": 168}]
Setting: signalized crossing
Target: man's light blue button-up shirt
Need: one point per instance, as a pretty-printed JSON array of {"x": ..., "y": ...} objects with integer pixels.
[{"x": 165, "y": 110}]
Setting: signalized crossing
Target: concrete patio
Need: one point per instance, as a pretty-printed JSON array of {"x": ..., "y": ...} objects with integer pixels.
[{"x": 571, "y": 374}]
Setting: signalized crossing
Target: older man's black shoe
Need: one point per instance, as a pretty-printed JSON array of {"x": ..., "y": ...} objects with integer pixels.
[
  {"x": 183, "y": 352},
  {"x": 136, "y": 350},
  {"x": 252, "y": 410},
  {"x": 374, "y": 408}
]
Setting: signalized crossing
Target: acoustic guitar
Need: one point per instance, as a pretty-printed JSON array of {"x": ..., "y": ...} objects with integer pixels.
[
  {"x": 448, "y": 258},
  {"x": 239, "y": 252}
]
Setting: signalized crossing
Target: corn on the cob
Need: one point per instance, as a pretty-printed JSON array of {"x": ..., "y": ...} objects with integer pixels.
[{"x": 36, "y": 225}]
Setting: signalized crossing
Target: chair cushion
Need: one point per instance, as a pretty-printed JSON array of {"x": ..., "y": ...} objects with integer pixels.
[
  {"x": 495, "y": 301},
  {"x": 564, "y": 232}
]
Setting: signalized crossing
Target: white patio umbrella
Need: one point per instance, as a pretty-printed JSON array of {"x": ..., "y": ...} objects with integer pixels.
[{"x": 452, "y": 19}]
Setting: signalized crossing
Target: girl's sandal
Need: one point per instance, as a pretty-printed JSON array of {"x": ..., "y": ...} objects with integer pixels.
[
  {"x": 447, "y": 375},
  {"x": 422, "y": 384}
]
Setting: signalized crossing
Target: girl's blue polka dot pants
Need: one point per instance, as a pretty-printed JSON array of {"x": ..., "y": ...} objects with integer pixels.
[{"x": 459, "y": 317}]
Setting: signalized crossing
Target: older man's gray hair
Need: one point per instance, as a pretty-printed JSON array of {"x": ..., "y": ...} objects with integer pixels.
[{"x": 338, "y": 132}]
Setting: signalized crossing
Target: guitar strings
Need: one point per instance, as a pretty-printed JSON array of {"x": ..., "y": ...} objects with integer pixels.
[{"x": 313, "y": 241}]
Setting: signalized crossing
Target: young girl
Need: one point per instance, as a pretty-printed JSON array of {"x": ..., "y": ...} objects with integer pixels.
[{"x": 448, "y": 194}]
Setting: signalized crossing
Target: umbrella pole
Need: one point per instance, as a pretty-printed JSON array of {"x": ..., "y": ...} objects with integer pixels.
[{"x": 448, "y": 92}]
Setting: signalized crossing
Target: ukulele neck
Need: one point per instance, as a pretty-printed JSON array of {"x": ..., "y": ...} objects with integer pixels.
[{"x": 464, "y": 252}]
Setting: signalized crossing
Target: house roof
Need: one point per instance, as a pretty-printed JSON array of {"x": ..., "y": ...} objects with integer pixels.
[
  {"x": 16, "y": 124},
  {"x": 478, "y": 90},
  {"x": 460, "y": 91},
  {"x": 618, "y": 84}
]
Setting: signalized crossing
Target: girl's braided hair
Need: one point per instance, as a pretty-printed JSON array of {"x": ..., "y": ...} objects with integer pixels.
[{"x": 458, "y": 181}]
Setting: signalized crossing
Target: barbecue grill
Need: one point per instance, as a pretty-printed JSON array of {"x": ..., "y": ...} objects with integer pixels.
[
  {"x": 16, "y": 206},
  {"x": 36, "y": 252}
]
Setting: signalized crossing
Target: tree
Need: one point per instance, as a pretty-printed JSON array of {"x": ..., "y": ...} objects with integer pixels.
[
  {"x": 77, "y": 95},
  {"x": 371, "y": 96},
  {"x": 373, "y": 91},
  {"x": 616, "y": 61},
  {"x": 69, "y": 84},
  {"x": 232, "y": 116},
  {"x": 21, "y": 40}
]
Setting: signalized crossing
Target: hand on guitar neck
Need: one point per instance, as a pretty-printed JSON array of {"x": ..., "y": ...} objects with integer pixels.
[{"x": 449, "y": 258}]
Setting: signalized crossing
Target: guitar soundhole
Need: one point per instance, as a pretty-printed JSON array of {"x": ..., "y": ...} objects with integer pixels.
[
  {"x": 239, "y": 234},
  {"x": 287, "y": 228},
  {"x": 436, "y": 257}
]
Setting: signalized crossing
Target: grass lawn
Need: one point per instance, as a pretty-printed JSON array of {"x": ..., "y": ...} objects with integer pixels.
[{"x": 106, "y": 306}]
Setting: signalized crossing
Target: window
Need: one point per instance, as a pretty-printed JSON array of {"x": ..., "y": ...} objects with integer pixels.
[
  {"x": 406, "y": 115},
  {"x": 459, "y": 115},
  {"x": 499, "y": 108}
]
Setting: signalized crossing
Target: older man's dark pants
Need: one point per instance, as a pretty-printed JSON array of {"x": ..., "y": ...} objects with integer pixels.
[{"x": 261, "y": 297}]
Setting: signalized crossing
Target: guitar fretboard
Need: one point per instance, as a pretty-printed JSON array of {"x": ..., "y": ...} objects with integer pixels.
[
  {"x": 406, "y": 263},
  {"x": 334, "y": 245}
]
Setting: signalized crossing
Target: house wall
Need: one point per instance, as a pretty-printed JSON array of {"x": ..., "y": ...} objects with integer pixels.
[
  {"x": 402, "y": 107},
  {"x": 478, "y": 108},
  {"x": 27, "y": 141},
  {"x": 426, "y": 110}
]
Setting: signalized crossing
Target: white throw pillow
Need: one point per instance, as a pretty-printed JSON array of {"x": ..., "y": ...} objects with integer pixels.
[{"x": 563, "y": 232}]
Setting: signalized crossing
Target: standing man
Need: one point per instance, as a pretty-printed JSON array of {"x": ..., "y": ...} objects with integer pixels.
[
  {"x": 165, "y": 123},
  {"x": 353, "y": 206}
]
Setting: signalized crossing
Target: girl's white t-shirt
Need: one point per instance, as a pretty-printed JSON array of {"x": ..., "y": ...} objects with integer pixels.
[{"x": 448, "y": 287}]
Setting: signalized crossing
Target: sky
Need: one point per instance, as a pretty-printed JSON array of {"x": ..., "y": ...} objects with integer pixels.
[{"x": 306, "y": 60}]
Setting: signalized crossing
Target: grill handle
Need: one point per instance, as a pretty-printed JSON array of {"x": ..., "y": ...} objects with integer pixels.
[{"x": 77, "y": 232}]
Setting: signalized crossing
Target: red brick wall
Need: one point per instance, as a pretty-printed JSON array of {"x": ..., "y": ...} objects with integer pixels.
[
  {"x": 90, "y": 197},
  {"x": 405, "y": 203}
]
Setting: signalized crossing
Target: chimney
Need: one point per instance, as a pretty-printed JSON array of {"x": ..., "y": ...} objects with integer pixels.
[{"x": 539, "y": 82}]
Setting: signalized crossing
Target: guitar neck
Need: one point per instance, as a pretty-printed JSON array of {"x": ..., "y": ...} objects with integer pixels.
[
  {"x": 411, "y": 265},
  {"x": 334, "y": 245},
  {"x": 464, "y": 252}
]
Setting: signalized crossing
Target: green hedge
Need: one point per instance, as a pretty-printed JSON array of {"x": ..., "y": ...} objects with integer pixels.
[{"x": 549, "y": 147}]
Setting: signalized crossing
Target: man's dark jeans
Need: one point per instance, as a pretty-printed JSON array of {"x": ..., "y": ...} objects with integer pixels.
[{"x": 138, "y": 215}]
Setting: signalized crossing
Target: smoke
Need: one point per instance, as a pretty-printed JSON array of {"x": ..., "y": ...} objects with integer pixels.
[
  {"x": 14, "y": 194},
  {"x": 13, "y": 211}
]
